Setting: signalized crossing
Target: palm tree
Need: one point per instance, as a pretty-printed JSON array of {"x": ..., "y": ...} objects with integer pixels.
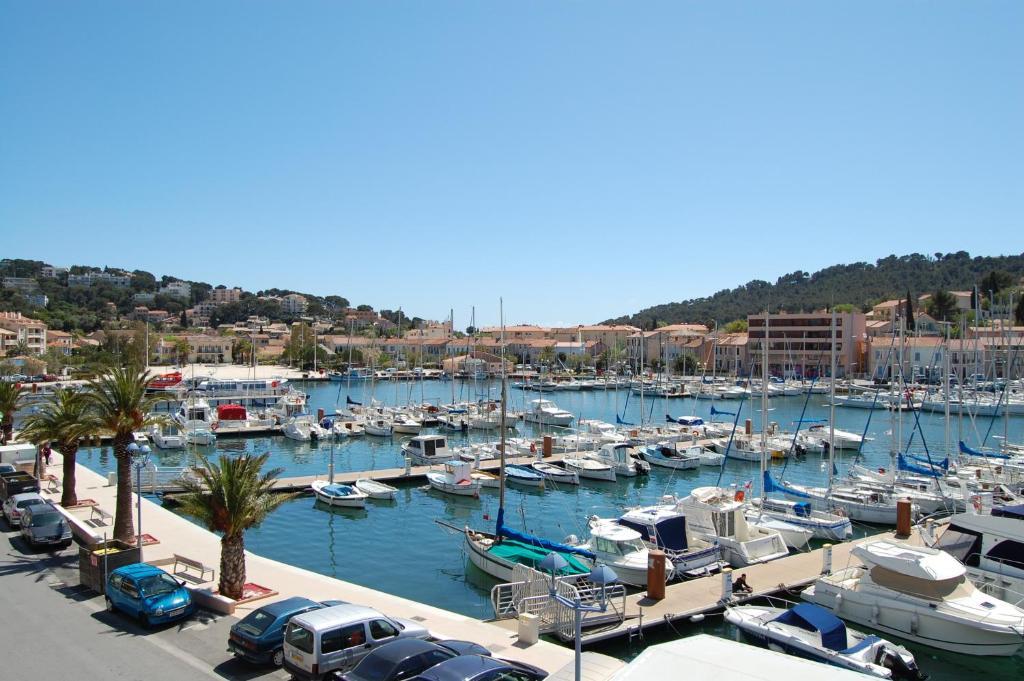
[
  {"x": 10, "y": 401},
  {"x": 63, "y": 420},
  {"x": 229, "y": 498},
  {"x": 120, "y": 406}
]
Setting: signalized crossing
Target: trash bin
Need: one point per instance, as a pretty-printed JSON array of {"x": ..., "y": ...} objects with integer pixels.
[
  {"x": 529, "y": 628},
  {"x": 111, "y": 478},
  {"x": 97, "y": 561}
]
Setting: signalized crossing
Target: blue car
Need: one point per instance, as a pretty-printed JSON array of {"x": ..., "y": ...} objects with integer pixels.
[
  {"x": 149, "y": 594},
  {"x": 259, "y": 636}
]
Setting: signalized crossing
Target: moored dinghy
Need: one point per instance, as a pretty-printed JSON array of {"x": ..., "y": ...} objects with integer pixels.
[
  {"x": 456, "y": 478},
  {"x": 811, "y": 631},
  {"x": 523, "y": 475},
  {"x": 556, "y": 473},
  {"x": 336, "y": 494},
  {"x": 589, "y": 468},
  {"x": 375, "y": 489}
]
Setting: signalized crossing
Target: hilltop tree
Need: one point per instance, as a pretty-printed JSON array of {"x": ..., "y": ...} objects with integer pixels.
[
  {"x": 994, "y": 282},
  {"x": 1018, "y": 313},
  {"x": 908, "y": 311},
  {"x": 942, "y": 305}
]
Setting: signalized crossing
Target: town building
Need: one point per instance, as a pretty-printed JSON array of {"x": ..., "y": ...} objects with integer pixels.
[
  {"x": 144, "y": 298},
  {"x": 31, "y": 332},
  {"x": 177, "y": 289},
  {"x": 800, "y": 344},
  {"x": 223, "y": 296},
  {"x": 294, "y": 304},
  {"x": 51, "y": 272},
  {"x": 21, "y": 284},
  {"x": 90, "y": 278}
]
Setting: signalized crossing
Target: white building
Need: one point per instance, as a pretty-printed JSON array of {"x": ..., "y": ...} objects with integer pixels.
[
  {"x": 90, "y": 278},
  {"x": 177, "y": 289},
  {"x": 294, "y": 304},
  {"x": 31, "y": 332},
  {"x": 51, "y": 272},
  {"x": 222, "y": 296}
]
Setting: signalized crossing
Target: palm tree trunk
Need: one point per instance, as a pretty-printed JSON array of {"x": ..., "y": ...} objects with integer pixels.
[
  {"x": 68, "y": 495},
  {"x": 124, "y": 528},
  {"x": 8, "y": 429},
  {"x": 232, "y": 565}
]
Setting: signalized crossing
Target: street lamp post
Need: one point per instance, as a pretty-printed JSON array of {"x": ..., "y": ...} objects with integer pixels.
[
  {"x": 601, "y": 575},
  {"x": 140, "y": 458}
]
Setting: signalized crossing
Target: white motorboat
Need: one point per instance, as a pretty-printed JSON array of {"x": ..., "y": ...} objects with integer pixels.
[
  {"x": 199, "y": 433},
  {"x": 823, "y": 525},
  {"x": 604, "y": 431},
  {"x": 335, "y": 494},
  {"x": 808, "y": 630},
  {"x": 709, "y": 457},
  {"x": 844, "y": 439},
  {"x": 523, "y": 475},
  {"x": 167, "y": 435},
  {"x": 624, "y": 460},
  {"x": 795, "y": 537},
  {"x": 375, "y": 489},
  {"x": 427, "y": 450},
  {"x": 991, "y": 547},
  {"x": 405, "y": 424},
  {"x": 664, "y": 456},
  {"x": 622, "y": 549},
  {"x": 486, "y": 479},
  {"x": 555, "y": 473},
  {"x": 299, "y": 427},
  {"x": 717, "y": 514},
  {"x": 590, "y": 469},
  {"x": 923, "y": 595},
  {"x": 666, "y": 528},
  {"x": 378, "y": 426},
  {"x": 456, "y": 478},
  {"x": 547, "y": 413}
]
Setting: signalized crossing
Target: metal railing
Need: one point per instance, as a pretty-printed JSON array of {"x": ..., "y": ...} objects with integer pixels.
[{"x": 156, "y": 479}]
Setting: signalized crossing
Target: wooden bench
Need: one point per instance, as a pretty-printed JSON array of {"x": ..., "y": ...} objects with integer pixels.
[
  {"x": 52, "y": 483},
  {"x": 104, "y": 516},
  {"x": 194, "y": 564}
]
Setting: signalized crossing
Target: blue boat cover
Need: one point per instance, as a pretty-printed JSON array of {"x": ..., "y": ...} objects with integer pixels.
[
  {"x": 715, "y": 412},
  {"x": 669, "y": 533},
  {"x": 1009, "y": 511},
  {"x": 964, "y": 449},
  {"x": 802, "y": 510},
  {"x": 904, "y": 465},
  {"x": 944, "y": 464},
  {"x": 621, "y": 422},
  {"x": 865, "y": 642},
  {"x": 771, "y": 486},
  {"x": 503, "y": 531},
  {"x": 816, "y": 618}
]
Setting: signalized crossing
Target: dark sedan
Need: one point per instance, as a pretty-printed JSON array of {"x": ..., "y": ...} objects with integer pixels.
[
  {"x": 480, "y": 668},
  {"x": 259, "y": 637},
  {"x": 405, "y": 658}
]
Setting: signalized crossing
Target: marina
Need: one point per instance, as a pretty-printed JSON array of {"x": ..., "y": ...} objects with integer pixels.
[{"x": 557, "y": 511}]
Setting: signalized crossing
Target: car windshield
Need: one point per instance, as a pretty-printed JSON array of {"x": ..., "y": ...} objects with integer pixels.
[
  {"x": 25, "y": 503},
  {"x": 154, "y": 585},
  {"x": 256, "y": 623},
  {"x": 45, "y": 519},
  {"x": 299, "y": 637}
]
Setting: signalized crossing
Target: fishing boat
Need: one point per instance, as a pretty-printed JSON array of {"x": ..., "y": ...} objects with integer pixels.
[
  {"x": 589, "y": 469},
  {"x": 427, "y": 450},
  {"x": 456, "y": 479},
  {"x": 519, "y": 474},
  {"x": 336, "y": 494},
  {"x": 669, "y": 457},
  {"x": 556, "y": 473},
  {"x": 622, "y": 458},
  {"x": 666, "y": 528},
  {"x": 810, "y": 631},
  {"x": 375, "y": 489},
  {"x": 922, "y": 595}
]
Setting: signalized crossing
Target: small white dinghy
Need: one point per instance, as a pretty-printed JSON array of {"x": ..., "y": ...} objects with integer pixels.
[
  {"x": 376, "y": 489},
  {"x": 336, "y": 494},
  {"x": 456, "y": 478},
  {"x": 556, "y": 473},
  {"x": 807, "y": 630},
  {"x": 589, "y": 468}
]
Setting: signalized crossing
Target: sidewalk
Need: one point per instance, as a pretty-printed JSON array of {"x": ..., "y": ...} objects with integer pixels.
[{"x": 177, "y": 535}]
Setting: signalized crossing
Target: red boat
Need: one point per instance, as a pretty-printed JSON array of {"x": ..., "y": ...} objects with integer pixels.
[{"x": 165, "y": 381}]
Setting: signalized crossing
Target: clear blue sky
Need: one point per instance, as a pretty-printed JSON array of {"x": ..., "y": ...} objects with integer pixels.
[{"x": 581, "y": 159}]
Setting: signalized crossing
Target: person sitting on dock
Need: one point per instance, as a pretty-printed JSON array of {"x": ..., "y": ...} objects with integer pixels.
[{"x": 740, "y": 585}]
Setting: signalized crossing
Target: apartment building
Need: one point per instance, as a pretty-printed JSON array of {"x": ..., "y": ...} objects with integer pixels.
[
  {"x": 800, "y": 344},
  {"x": 31, "y": 332}
]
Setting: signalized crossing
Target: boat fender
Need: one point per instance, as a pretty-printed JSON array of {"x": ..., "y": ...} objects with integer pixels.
[
  {"x": 571, "y": 540},
  {"x": 838, "y": 602},
  {"x": 914, "y": 623},
  {"x": 215, "y": 426},
  {"x": 874, "y": 614}
]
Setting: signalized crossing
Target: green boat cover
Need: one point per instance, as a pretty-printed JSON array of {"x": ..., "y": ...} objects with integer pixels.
[{"x": 526, "y": 554}]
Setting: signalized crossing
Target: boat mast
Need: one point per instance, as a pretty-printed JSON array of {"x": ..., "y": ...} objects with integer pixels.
[
  {"x": 832, "y": 403},
  {"x": 764, "y": 403},
  {"x": 398, "y": 345},
  {"x": 945, "y": 386},
  {"x": 351, "y": 328},
  {"x": 502, "y": 424},
  {"x": 451, "y": 317}
]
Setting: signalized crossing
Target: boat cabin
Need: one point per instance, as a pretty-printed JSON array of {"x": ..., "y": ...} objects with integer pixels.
[
  {"x": 612, "y": 539},
  {"x": 429, "y": 446}
]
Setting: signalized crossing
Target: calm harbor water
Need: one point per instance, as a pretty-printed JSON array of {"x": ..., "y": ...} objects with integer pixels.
[{"x": 398, "y": 547}]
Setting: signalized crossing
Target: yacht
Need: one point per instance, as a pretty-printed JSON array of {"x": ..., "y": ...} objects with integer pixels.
[
  {"x": 547, "y": 413},
  {"x": 717, "y": 514},
  {"x": 623, "y": 459},
  {"x": 923, "y": 595},
  {"x": 670, "y": 457},
  {"x": 991, "y": 547},
  {"x": 844, "y": 439},
  {"x": 426, "y": 450},
  {"x": 622, "y": 549},
  {"x": 666, "y": 528},
  {"x": 167, "y": 436}
]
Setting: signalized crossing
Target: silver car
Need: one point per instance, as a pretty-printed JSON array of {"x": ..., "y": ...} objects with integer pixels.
[
  {"x": 322, "y": 641},
  {"x": 16, "y": 504}
]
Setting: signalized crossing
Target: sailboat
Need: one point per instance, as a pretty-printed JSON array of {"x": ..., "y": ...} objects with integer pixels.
[{"x": 498, "y": 553}]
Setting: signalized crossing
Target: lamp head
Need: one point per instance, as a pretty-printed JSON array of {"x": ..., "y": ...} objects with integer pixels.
[{"x": 602, "y": 575}]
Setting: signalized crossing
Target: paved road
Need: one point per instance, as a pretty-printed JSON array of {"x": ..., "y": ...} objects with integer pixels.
[{"x": 51, "y": 628}]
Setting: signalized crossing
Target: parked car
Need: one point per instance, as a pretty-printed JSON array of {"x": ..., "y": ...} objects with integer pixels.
[
  {"x": 259, "y": 637},
  {"x": 14, "y": 505},
  {"x": 43, "y": 525},
  {"x": 7, "y": 468},
  {"x": 148, "y": 593},
  {"x": 480, "y": 668},
  {"x": 406, "y": 658},
  {"x": 322, "y": 641}
]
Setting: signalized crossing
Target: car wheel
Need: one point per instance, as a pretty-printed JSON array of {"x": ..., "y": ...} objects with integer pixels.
[
  {"x": 110, "y": 605},
  {"x": 144, "y": 621},
  {"x": 277, "y": 659}
]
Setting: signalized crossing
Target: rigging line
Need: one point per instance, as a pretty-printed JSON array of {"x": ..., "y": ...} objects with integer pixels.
[
  {"x": 1004, "y": 394},
  {"x": 728, "y": 447},
  {"x": 803, "y": 412},
  {"x": 867, "y": 424}
]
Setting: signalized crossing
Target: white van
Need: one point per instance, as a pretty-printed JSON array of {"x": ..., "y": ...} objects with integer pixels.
[{"x": 336, "y": 638}]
